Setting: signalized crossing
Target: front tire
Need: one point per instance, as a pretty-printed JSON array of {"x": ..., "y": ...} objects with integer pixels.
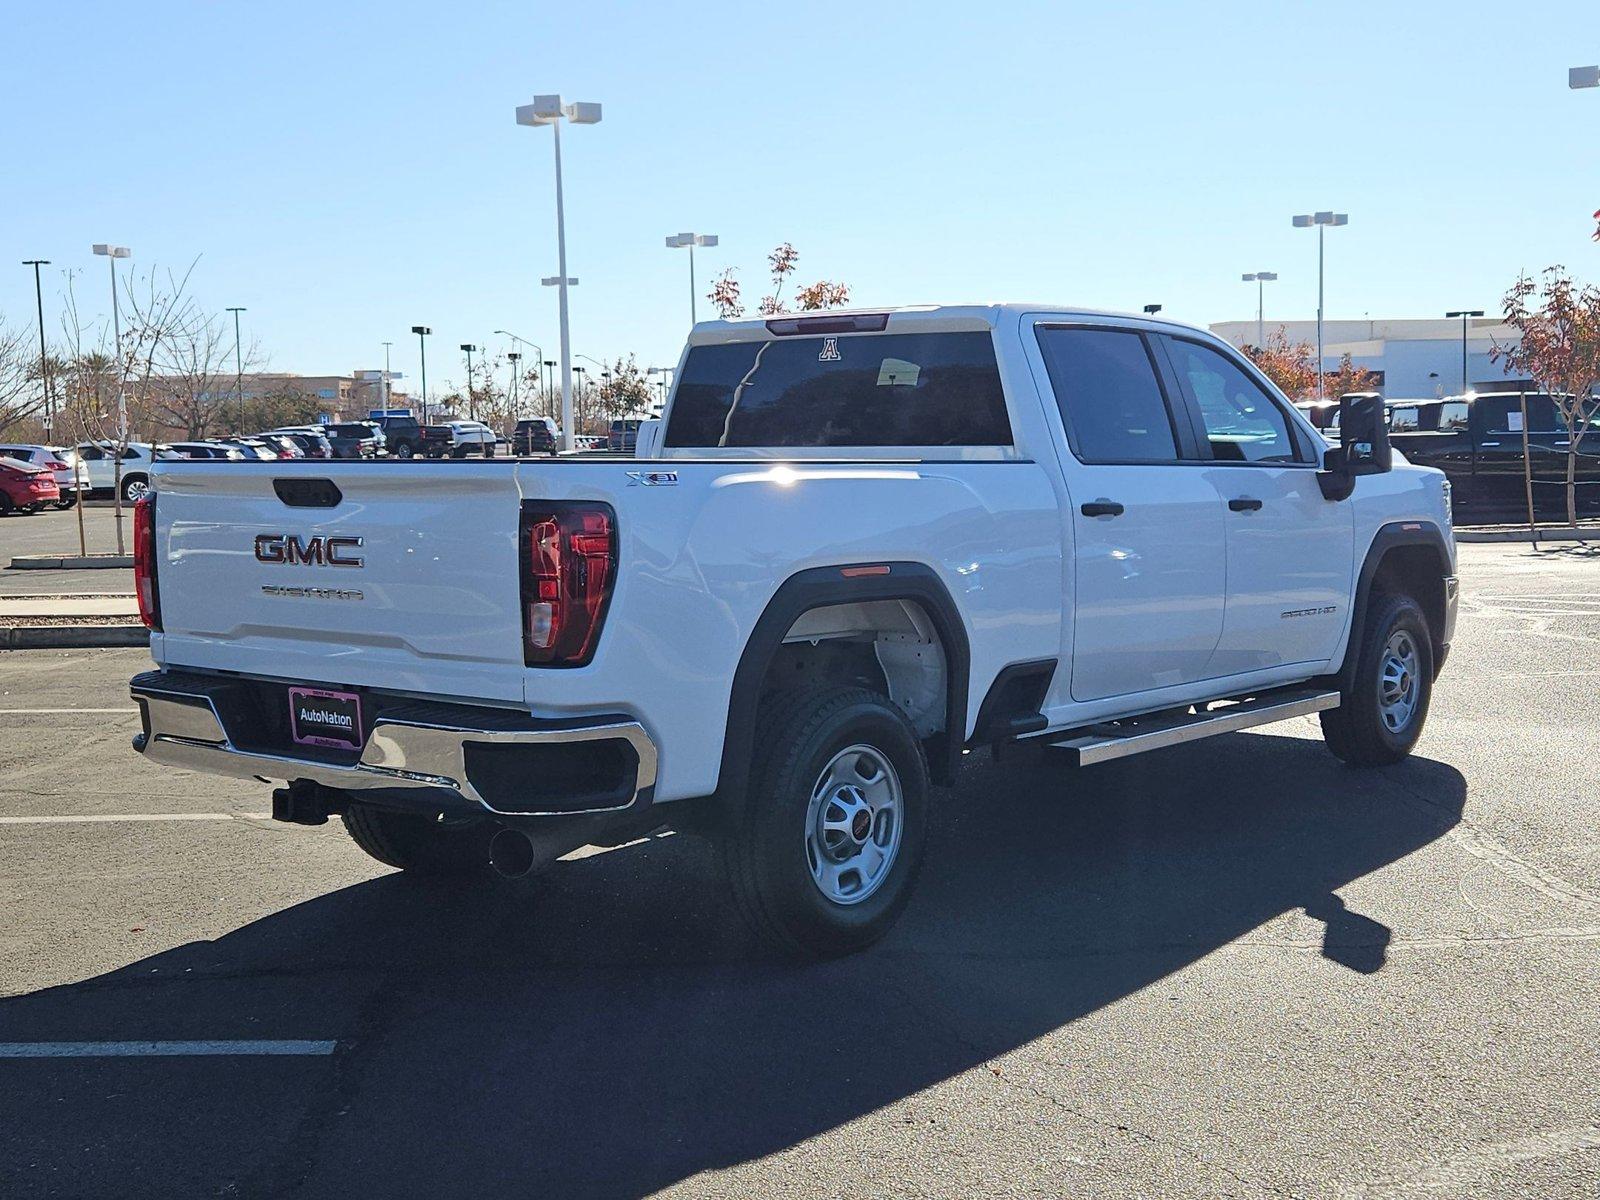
[
  {"x": 1381, "y": 715},
  {"x": 824, "y": 850},
  {"x": 403, "y": 450},
  {"x": 417, "y": 843},
  {"x": 66, "y": 502}
]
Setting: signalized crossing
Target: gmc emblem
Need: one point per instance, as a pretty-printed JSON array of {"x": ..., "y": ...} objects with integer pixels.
[{"x": 319, "y": 551}]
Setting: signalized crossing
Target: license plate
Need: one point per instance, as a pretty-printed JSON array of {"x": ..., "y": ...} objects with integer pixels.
[{"x": 318, "y": 717}]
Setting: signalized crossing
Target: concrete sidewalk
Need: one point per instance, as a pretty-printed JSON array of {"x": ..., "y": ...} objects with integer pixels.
[{"x": 12, "y": 607}]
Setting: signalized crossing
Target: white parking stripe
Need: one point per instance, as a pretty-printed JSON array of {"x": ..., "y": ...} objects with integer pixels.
[
  {"x": 23, "y": 712},
  {"x": 111, "y": 818},
  {"x": 161, "y": 1049}
]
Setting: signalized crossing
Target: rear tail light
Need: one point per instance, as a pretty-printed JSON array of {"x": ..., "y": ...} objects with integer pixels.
[
  {"x": 144, "y": 561},
  {"x": 569, "y": 566}
]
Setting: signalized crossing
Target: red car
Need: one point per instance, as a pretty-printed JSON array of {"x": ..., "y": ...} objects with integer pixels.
[{"x": 24, "y": 488}]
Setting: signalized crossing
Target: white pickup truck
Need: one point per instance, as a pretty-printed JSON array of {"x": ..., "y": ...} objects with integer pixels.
[{"x": 863, "y": 545}]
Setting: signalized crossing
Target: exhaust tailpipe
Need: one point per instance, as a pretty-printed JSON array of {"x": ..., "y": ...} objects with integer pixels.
[{"x": 511, "y": 853}]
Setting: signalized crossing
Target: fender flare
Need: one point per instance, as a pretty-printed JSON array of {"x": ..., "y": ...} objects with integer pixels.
[
  {"x": 1388, "y": 537},
  {"x": 821, "y": 586}
]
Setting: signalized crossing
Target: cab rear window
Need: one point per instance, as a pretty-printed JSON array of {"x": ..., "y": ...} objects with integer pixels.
[{"x": 876, "y": 389}]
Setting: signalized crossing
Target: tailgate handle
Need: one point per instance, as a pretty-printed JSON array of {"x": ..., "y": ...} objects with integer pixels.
[{"x": 308, "y": 493}]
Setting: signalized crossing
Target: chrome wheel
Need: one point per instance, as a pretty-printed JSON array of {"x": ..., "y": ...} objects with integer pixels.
[
  {"x": 134, "y": 489},
  {"x": 1399, "y": 687},
  {"x": 853, "y": 824}
]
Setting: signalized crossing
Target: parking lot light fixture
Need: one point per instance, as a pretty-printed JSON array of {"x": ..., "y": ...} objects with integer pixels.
[
  {"x": 550, "y": 110},
  {"x": 1260, "y": 279},
  {"x": 422, "y": 332},
  {"x": 1321, "y": 221},
  {"x": 1583, "y": 77},
  {"x": 1151, "y": 309},
  {"x": 1464, "y": 313},
  {"x": 678, "y": 241},
  {"x": 44, "y": 356},
  {"x": 472, "y": 401}
]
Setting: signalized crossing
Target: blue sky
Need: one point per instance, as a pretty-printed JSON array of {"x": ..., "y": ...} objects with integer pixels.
[{"x": 347, "y": 171}]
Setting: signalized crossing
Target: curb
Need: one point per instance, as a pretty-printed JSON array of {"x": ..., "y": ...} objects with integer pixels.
[
  {"x": 71, "y": 562},
  {"x": 71, "y": 637},
  {"x": 1584, "y": 533}
]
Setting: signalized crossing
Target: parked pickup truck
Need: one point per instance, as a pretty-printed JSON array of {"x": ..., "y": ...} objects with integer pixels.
[
  {"x": 865, "y": 544},
  {"x": 1476, "y": 441}
]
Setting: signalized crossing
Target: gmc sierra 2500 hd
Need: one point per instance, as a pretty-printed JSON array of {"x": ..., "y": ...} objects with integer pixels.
[{"x": 863, "y": 544}]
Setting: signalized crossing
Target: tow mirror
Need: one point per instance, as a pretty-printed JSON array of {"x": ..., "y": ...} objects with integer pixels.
[{"x": 1363, "y": 445}]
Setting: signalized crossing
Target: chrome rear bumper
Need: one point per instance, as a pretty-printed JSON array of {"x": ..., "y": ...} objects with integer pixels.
[{"x": 183, "y": 728}]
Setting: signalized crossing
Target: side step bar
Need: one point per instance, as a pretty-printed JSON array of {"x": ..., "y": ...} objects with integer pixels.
[{"x": 1119, "y": 739}]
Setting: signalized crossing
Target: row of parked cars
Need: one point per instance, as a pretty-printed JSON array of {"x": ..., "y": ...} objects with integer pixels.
[
  {"x": 1477, "y": 440},
  {"x": 33, "y": 477}
]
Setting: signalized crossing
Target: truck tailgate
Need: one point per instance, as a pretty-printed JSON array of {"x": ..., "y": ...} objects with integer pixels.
[{"x": 419, "y": 594}]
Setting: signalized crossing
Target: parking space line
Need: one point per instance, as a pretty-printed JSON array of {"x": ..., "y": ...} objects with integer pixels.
[
  {"x": 112, "y": 818},
  {"x": 25, "y": 712},
  {"x": 164, "y": 1049}
]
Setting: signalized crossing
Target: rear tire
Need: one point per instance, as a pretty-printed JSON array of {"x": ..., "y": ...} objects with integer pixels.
[
  {"x": 403, "y": 450},
  {"x": 66, "y": 502},
  {"x": 133, "y": 488},
  {"x": 824, "y": 850},
  {"x": 1381, "y": 715},
  {"x": 419, "y": 844}
]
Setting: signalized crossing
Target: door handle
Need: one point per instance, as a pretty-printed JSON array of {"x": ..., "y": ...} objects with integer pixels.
[
  {"x": 1101, "y": 508},
  {"x": 1244, "y": 504}
]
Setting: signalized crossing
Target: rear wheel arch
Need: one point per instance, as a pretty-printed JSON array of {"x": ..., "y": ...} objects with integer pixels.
[{"x": 827, "y": 587}]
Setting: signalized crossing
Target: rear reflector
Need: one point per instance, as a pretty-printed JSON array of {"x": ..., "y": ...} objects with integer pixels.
[
  {"x": 144, "y": 561},
  {"x": 569, "y": 562},
  {"x": 841, "y": 323}
]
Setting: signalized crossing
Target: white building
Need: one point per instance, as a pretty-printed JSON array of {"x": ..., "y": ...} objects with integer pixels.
[{"x": 1413, "y": 358}]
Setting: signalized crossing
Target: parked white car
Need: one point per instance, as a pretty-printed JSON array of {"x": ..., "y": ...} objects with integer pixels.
[
  {"x": 469, "y": 437},
  {"x": 864, "y": 545},
  {"x": 99, "y": 460},
  {"x": 70, "y": 475}
]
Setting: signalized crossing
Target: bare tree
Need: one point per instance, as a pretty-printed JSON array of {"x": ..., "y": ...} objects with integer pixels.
[
  {"x": 21, "y": 389},
  {"x": 195, "y": 372}
]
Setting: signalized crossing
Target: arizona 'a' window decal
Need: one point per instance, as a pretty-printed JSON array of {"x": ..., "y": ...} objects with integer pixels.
[{"x": 830, "y": 350}]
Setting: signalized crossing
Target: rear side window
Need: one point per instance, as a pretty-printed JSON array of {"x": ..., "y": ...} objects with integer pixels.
[
  {"x": 1242, "y": 422},
  {"x": 1110, "y": 398},
  {"x": 884, "y": 389}
]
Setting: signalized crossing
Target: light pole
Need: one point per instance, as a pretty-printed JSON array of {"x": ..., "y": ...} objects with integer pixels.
[
  {"x": 665, "y": 381},
  {"x": 549, "y": 110},
  {"x": 383, "y": 392},
  {"x": 1260, "y": 279},
  {"x": 112, "y": 253},
  {"x": 549, "y": 366},
  {"x": 1464, "y": 313},
  {"x": 678, "y": 241},
  {"x": 1321, "y": 220},
  {"x": 472, "y": 401},
  {"x": 513, "y": 357},
  {"x": 422, "y": 332},
  {"x": 238, "y": 369},
  {"x": 44, "y": 357}
]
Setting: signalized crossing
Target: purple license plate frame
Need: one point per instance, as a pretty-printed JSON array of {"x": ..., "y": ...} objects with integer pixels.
[{"x": 320, "y": 717}]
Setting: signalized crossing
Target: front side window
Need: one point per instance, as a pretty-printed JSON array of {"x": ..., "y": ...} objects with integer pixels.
[
  {"x": 1110, "y": 398},
  {"x": 875, "y": 389},
  {"x": 1241, "y": 421}
]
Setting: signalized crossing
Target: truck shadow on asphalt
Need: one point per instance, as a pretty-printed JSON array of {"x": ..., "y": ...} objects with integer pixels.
[{"x": 612, "y": 1030}]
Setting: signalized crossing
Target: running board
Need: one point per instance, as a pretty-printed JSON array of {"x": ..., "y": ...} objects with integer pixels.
[{"x": 1119, "y": 739}]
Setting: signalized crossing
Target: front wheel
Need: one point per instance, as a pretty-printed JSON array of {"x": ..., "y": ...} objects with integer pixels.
[
  {"x": 824, "y": 850},
  {"x": 1380, "y": 716},
  {"x": 417, "y": 843},
  {"x": 403, "y": 450}
]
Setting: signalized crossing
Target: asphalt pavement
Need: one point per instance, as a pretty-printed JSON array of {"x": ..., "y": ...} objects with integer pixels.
[{"x": 1235, "y": 968}]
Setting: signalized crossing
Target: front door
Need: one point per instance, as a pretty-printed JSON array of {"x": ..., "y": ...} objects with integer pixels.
[
  {"x": 1148, "y": 552},
  {"x": 1289, "y": 550}
]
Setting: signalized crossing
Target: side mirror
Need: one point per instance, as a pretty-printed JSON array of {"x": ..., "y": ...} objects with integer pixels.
[{"x": 1363, "y": 445}]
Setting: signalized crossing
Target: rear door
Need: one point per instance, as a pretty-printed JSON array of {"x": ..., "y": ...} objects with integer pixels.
[
  {"x": 1289, "y": 550},
  {"x": 1148, "y": 552}
]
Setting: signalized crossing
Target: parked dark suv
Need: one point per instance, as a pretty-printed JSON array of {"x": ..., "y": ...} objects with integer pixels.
[
  {"x": 354, "y": 439},
  {"x": 536, "y": 435}
]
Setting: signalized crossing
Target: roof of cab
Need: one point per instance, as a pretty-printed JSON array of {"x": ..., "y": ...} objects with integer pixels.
[{"x": 923, "y": 317}]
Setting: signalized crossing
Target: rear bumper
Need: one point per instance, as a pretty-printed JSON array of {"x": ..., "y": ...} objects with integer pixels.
[{"x": 449, "y": 756}]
